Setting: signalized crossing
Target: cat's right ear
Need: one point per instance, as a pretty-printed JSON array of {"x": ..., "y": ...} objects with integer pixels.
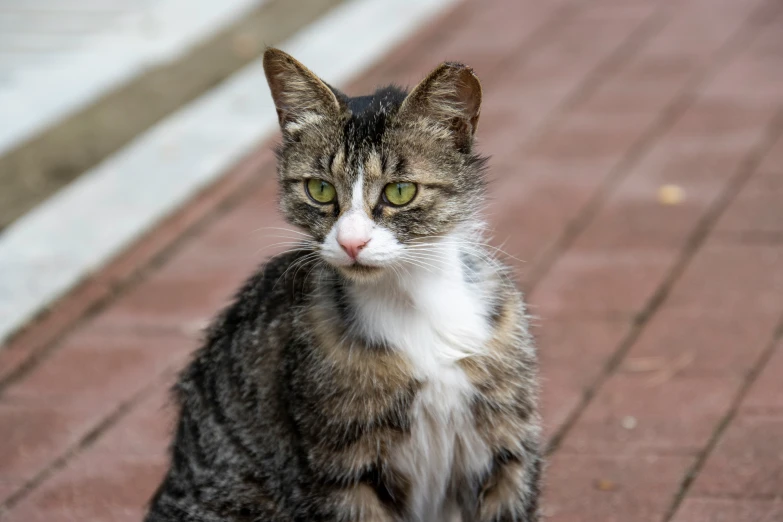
[
  {"x": 450, "y": 98},
  {"x": 301, "y": 98}
]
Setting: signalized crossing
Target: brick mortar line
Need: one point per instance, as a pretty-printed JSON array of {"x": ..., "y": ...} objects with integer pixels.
[
  {"x": 775, "y": 131},
  {"x": 87, "y": 440},
  {"x": 743, "y": 36}
]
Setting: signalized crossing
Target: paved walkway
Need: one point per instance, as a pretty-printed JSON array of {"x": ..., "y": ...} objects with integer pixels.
[{"x": 637, "y": 158}]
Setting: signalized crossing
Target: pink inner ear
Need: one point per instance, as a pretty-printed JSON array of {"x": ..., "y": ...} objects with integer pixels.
[{"x": 468, "y": 93}]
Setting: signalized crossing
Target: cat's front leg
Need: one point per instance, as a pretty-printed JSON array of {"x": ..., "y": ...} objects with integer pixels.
[
  {"x": 510, "y": 493},
  {"x": 360, "y": 503}
]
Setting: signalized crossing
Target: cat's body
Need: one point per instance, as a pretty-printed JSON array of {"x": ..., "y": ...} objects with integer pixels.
[{"x": 394, "y": 383}]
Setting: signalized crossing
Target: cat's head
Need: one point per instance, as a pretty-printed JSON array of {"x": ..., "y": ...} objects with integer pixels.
[{"x": 371, "y": 178}]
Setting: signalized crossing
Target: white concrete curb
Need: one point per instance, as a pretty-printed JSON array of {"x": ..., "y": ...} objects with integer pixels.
[{"x": 79, "y": 66}]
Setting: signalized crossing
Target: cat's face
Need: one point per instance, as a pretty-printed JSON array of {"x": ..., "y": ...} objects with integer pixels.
[{"x": 374, "y": 178}]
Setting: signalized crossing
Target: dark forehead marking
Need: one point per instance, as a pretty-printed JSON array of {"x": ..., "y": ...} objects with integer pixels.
[{"x": 367, "y": 123}]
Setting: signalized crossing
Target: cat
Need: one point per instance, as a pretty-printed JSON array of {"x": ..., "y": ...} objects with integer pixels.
[{"x": 383, "y": 370}]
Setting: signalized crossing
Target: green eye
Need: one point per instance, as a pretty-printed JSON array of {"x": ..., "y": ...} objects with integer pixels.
[
  {"x": 399, "y": 194},
  {"x": 320, "y": 191}
]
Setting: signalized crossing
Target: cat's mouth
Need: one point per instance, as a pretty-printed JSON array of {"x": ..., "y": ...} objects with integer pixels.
[
  {"x": 360, "y": 271},
  {"x": 362, "y": 268}
]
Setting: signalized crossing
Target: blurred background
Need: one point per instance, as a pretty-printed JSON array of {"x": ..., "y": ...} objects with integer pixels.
[{"x": 637, "y": 187}]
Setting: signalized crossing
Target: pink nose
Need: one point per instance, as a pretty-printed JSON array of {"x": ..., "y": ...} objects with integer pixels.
[{"x": 352, "y": 246}]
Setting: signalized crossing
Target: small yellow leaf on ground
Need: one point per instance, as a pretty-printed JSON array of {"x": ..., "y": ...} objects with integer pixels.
[
  {"x": 670, "y": 195},
  {"x": 605, "y": 485}
]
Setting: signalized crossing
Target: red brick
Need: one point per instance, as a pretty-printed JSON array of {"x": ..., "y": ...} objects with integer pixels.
[
  {"x": 94, "y": 487},
  {"x": 146, "y": 431},
  {"x": 694, "y": 345},
  {"x": 769, "y": 168},
  {"x": 737, "y": 281},
  {"x": 611, "y": 488},
  {"x": 94, "y": 371},
  {"x": 246, "y": 233},
  {"x": 184, "y": 294},
  {"x": 755, "y": 77},
  {"x": 7, "y": 488},
  {"x": 650, "y": 73},
  {"x": 640, "y": 223},
  {"x": 680, "y": 39},
  {"x": 729, "y": 510},
  {"x": 615, "y": 107},
  {"x": 74, "y": 390},
  {"x": 758, "y": 207},
  {"x": 759, "y": 78},
  {"x": 765, "y": 396},
  {"x": 576, "y": 141},
  {"x": 600, "y": 282},
  {"x": 572, "y": 353},
  {"x": 720, "y": 125},
  {"x": 637, "y": 414},
  {"x": 747, "y": 461},
  {"x": 507, "y": 122},
  {"x": 35, "y": 434},
  {"x": 530, "y": 212}
]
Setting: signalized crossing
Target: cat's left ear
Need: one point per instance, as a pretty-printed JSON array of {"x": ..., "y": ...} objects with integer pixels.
[
  {"x": 449, "y": 98},
  {"x": 300, "y": 96}
]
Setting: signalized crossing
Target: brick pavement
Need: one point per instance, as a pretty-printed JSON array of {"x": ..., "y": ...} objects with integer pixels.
[{"x": 659, "y": 321}]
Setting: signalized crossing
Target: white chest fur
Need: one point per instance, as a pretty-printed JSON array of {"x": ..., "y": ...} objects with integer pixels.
[{"x": 435, "y": 319}]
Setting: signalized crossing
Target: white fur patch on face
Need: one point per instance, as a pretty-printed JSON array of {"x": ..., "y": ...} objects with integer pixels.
[{"x": 380, "y": 246}]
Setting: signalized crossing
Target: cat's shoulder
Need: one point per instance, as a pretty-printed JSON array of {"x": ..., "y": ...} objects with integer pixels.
[
  {"x": 277, "y": 284},
  {"x": 278, "y": 276}
]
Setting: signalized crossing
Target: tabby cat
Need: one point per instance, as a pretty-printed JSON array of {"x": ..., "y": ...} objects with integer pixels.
[{"x": 383, "y": 371}]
